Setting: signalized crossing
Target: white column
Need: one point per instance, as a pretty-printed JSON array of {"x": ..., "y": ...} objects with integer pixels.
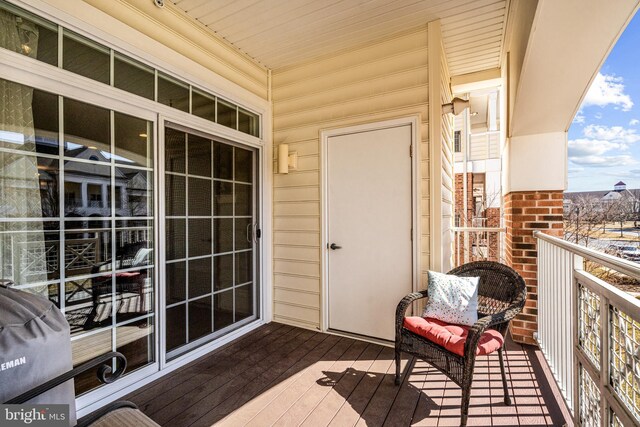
[{"x": 536, "y": 162}]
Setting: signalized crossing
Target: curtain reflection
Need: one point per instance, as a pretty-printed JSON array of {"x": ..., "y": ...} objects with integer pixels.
[{"x": 19, "y": 176}]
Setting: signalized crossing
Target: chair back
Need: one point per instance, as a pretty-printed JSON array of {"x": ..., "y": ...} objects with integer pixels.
[{"x": 499, "y": 287}]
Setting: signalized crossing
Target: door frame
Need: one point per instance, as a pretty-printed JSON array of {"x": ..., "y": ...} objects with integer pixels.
[
  {"x": 262, "y": 259},
  {"x": 414, "y": 122}
]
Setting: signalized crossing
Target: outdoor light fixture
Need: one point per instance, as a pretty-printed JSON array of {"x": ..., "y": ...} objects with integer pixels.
[
  {"x": 286, "y": 160},
  {"x": 456, "y": 106}
]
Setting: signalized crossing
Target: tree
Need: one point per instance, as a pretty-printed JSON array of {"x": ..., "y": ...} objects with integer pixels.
[
  {"x": 581, "y": 218},
  {"x": 621, "y": 210}
]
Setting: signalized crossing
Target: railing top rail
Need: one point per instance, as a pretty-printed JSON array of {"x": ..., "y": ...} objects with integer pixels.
[
  {"x": 620, "y": 299},
  {"x": 629, "y": 268},
  {"x": 489, "y": 229}
]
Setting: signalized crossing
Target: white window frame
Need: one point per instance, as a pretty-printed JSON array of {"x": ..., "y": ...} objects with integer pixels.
[{"x": 28, "y": 71}]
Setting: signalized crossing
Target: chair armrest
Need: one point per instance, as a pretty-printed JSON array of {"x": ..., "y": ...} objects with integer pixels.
[
  {"x": 402, "y": 308},
  {"x": 104, "y": 372},
  {"x": 476, "y": 331}
]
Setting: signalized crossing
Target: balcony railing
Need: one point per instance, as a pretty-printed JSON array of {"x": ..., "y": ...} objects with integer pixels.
[
  {"x": 477, "y": 244},
  {"x": 589, "y": 332}
]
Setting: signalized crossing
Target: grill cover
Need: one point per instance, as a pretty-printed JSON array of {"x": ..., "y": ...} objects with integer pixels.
[{"x": 35, "y": 346}]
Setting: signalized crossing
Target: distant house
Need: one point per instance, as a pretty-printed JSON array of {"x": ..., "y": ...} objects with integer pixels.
[{"x": 619, "y": 192}]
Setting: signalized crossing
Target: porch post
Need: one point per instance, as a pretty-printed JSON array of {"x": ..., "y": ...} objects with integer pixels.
[{"x": 535, "y": 175}]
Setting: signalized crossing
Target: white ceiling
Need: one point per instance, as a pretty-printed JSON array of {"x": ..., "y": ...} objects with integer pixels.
[{"x": 280, "y": 33}]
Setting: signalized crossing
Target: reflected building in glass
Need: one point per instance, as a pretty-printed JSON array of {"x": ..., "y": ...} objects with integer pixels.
[{"x": 76, "y": 222}]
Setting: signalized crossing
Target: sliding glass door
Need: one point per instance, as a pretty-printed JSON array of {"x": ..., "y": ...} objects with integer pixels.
[
  {"x": 210, "y": 238},
  {"x": 76, "y": 219}
]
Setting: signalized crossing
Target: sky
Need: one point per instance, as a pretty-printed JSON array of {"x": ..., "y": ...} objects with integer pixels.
[{"x": 604, "y": 138}]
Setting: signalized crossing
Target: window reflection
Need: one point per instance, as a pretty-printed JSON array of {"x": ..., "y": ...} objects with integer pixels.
[
  {"x": 40, "y": 131},
  {"x": 133, "y": 138},
  {"x": 94, "y": 228},
  {"x": 173, "y": 93},
  {"x": 203, "y": 105},
  {"x": 133, "y": 76},
  {"x": 30, "y": 253},
  {"x": 227, "y": 114},
  {"x": 86, "y": 142},
  {"x": 118, "y": 283},
  {"x": 134, "y": 195},
  {"x": 247, "y": 122},
  {"x": 37, "y": 38},
  {"x": 29, "y": 186},
  {"x": 86, "y": 189},
  {"x": 28, "y": 34},
  {"x": 85, "y": 57}
]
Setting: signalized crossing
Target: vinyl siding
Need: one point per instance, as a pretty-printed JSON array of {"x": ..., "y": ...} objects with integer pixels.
[
  {"x": 379, "y": 81},
  {"x": 484, "y": 146}
]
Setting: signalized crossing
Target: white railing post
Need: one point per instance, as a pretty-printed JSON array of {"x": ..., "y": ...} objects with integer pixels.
[{"x": 574, "y": 391}]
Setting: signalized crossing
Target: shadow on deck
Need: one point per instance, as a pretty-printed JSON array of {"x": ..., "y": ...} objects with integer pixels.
[{"x": 282, "y": 375}]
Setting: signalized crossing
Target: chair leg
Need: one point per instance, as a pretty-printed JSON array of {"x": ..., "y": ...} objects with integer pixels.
[
  {"x": 466, "y": 397},
  {"x": 397, "y": 367},
  {"x": 507, "y": 399}
]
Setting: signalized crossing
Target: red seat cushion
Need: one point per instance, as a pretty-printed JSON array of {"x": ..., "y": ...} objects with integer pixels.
[{"x": 452, "y": 337}]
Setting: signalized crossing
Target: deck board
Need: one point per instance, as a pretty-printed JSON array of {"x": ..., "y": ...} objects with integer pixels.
[
  {"x": 283, "y": 375},
  {"x": 174, "y": 378},
  {"x": 195, "y": 379},
  {"x": 195, "y": 404}
]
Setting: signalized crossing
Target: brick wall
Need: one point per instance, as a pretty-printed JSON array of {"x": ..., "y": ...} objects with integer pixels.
[
  {"x": 524, "y": 213},
  {"x": 459, "y": 198},
  {"x": 493, "y": 221},
  {"x": 460, "y": 213}
]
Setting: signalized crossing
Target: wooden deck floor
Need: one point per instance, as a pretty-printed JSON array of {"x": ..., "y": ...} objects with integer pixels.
[{"x": 286, "y": 376}]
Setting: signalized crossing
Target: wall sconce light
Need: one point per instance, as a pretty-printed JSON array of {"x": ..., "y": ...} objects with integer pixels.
[
  {"x": 286, "y": 160},
  {"x": 456, "y": 106}
]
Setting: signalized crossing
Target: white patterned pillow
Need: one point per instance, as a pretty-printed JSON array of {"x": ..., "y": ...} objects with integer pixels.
[{"x": 452, "y": 299}]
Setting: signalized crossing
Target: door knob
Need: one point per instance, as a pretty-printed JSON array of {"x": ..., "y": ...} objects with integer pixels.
[{"x": 333, "y": 247}]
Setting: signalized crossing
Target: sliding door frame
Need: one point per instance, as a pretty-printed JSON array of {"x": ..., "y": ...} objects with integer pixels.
[
  {"x": 28, "y": 71},
  {"x": 260, "y": 302}
]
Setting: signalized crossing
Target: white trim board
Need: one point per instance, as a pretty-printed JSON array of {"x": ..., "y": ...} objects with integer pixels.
[
  {"x": 435, "y": 149},
  {"x": 414, "y": 122}
]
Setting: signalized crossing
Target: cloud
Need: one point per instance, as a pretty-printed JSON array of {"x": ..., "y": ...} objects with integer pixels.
[
  {"x": 603, "y": 161},
  {"x": 602, "y": 147},
  {"x": 633, "y": 122},
  {"x": 576, "y": 169},
  {"x": 592, "y": 147},
  {"x": 606, "y": 90},
  {"x": 611, "y": 133},
  {"x": 579, "y": 118}
]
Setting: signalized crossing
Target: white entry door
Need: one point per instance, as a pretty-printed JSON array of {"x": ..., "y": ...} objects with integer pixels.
[{"x": 369, "y": 234}]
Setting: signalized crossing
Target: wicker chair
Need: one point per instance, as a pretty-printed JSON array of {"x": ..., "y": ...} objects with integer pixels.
[{"x": 501, "y": 296}]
